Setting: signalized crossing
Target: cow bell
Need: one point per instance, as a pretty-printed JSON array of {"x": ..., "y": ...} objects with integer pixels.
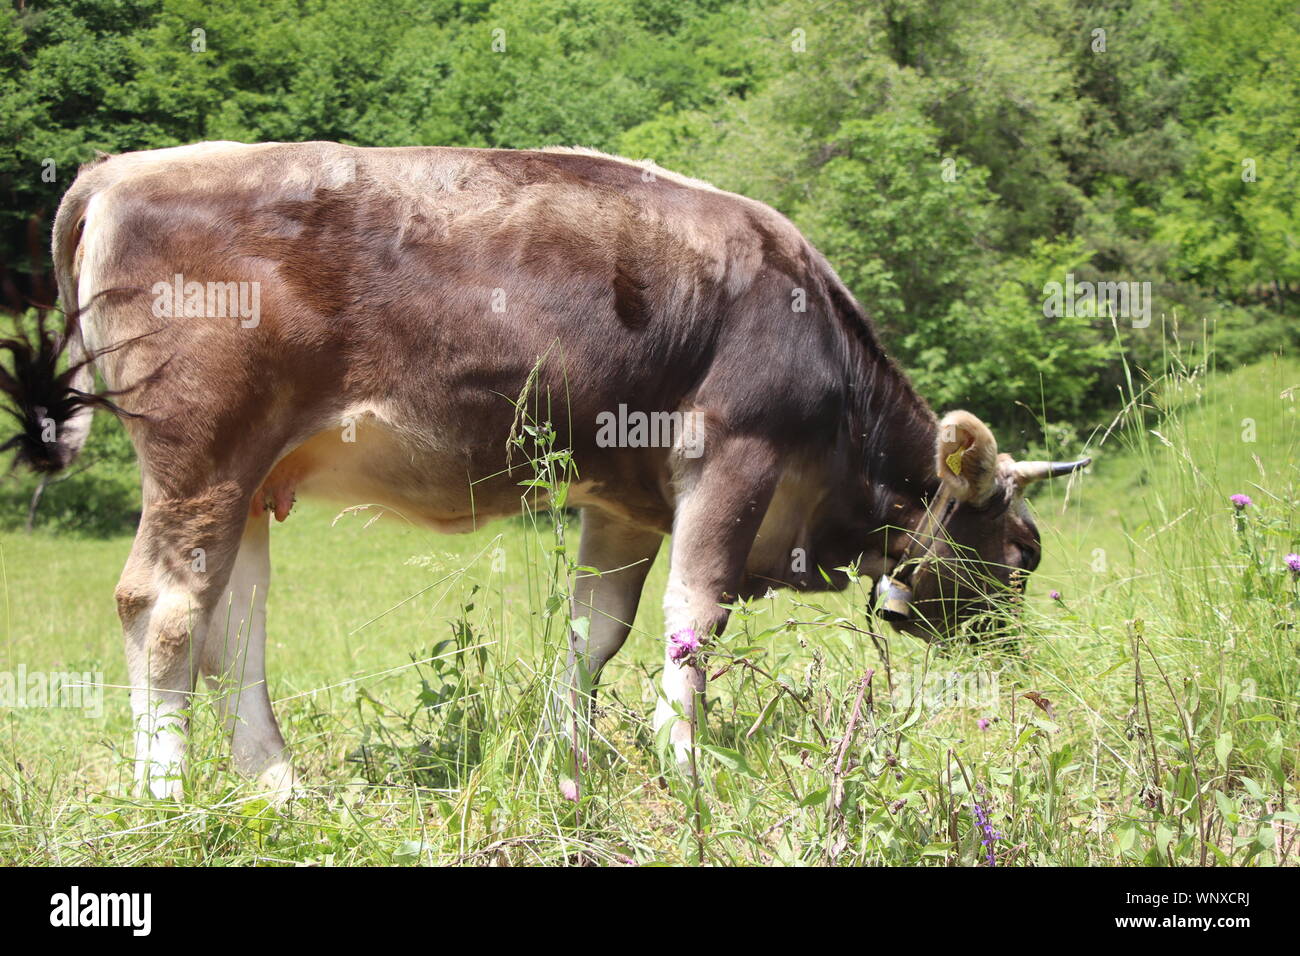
[{"x": 895, "y": 599}]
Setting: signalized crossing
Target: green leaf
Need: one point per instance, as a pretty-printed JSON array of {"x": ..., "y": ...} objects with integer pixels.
[
  {"x": 762, "y": 717},
  {"x": 1223, "y": 748},
  {"x": 1126, "y": 839},
  {"x": 408, "y": 852},
  {"x": 815, "y": 798},
  {"x": 733, "y": 760},
  {"x": 1227, "y": 808}
]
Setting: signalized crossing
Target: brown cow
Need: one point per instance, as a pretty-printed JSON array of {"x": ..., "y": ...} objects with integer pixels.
[{"x": 311, "y": 318}]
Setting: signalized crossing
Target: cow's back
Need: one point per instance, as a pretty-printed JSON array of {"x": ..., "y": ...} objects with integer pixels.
[{"x": 426, "y": 284}]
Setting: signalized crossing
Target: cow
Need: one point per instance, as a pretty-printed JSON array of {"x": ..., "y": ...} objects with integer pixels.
[{"x": 361, "y": 324}]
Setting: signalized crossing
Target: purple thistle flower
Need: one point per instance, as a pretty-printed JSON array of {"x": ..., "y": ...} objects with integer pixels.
[
  {"x": 1292, "y": 561},
  {"x": 683, "y": 644},
  {"x": 983, "y": 723},
  {"x": 1055, "y": 595},
  {"x": 1240, "y": 501}
]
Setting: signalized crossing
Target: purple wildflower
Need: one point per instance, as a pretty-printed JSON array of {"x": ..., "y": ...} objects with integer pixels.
[
  {"x": 1055, "y": 595},
  {"x": 989, "y": 835},
  {"x": 683, "y": 644},
  {"x": 1241, "y": 502},
  {"x": 983, "y": 723},
  {"x": 1292, "y": 561}
]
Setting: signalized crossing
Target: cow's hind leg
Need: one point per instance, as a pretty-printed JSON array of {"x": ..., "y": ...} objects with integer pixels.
[
  {"x": 721, "y": 500},
  {"x": 179, "y": 565},
  {"x": 234, "y": 661}
]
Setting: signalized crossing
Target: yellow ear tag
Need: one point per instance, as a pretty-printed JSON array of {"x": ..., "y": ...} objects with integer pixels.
[{"x": 953, "y": 461}]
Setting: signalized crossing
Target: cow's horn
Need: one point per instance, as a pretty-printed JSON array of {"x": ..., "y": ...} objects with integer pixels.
[{"x": 1031, "y": 471}]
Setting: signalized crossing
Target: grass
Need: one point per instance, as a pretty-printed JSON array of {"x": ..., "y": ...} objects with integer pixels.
[{"x": 1147, "y": 717}]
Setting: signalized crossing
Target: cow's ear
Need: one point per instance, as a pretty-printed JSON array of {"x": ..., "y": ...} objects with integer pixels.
[{"x": 967, "y": 457}]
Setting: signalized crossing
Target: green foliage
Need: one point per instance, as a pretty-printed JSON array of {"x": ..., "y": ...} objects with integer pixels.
[
  {"x": 883, "y": 210},
  {"x": 949, "y": 157},
  {"x": 1231, "y": 217},
  {"x": 1117, "y": 157}
]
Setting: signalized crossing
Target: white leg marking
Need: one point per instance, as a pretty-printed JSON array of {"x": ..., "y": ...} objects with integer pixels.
[
  {"x": 721, "y": 501},
  {"x": 160, "y": 684},
  {"x": 682, "y": 685}
]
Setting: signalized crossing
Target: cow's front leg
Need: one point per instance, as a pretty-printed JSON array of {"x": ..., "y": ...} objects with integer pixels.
[{"x": 721, "y": 500}]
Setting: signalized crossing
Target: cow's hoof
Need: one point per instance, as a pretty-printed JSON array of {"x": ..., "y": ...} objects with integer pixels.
[
  {"x": 683, "y": 758},
  {"x": 680, "y": 736},
  {"x": 160, "y": 779},
  {"x": 167, "y": 788},
  {"x": 280, "y": 784}
]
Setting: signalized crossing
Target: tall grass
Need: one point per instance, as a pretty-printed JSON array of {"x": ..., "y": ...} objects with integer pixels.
[{"x": 1146, "y": 717}]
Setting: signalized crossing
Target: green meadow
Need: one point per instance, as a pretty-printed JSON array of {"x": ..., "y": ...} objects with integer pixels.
[{"x": 1146, "y": 716}]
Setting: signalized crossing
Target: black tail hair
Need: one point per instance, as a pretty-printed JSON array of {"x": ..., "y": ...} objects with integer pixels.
[{"x": 42, "y": 398}]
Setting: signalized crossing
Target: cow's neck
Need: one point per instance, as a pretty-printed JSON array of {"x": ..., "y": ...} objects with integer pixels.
[
  {"x": 899, "y": 432},
  {"x": 877, "y": 479},
  {"x": 893, "y": 428},
  {"x": 893, "y": 438}
]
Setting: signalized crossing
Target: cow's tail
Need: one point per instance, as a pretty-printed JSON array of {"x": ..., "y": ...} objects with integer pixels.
[{"x": 47, "y": 383}]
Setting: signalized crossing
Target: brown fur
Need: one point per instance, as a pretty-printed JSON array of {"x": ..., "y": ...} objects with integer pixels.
[
  {"x": 378, "y": 269},
  {"x": 408, "y": 295}
]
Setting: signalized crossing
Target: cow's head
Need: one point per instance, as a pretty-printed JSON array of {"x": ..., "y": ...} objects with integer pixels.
[{"x": 976, "y": 543}]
